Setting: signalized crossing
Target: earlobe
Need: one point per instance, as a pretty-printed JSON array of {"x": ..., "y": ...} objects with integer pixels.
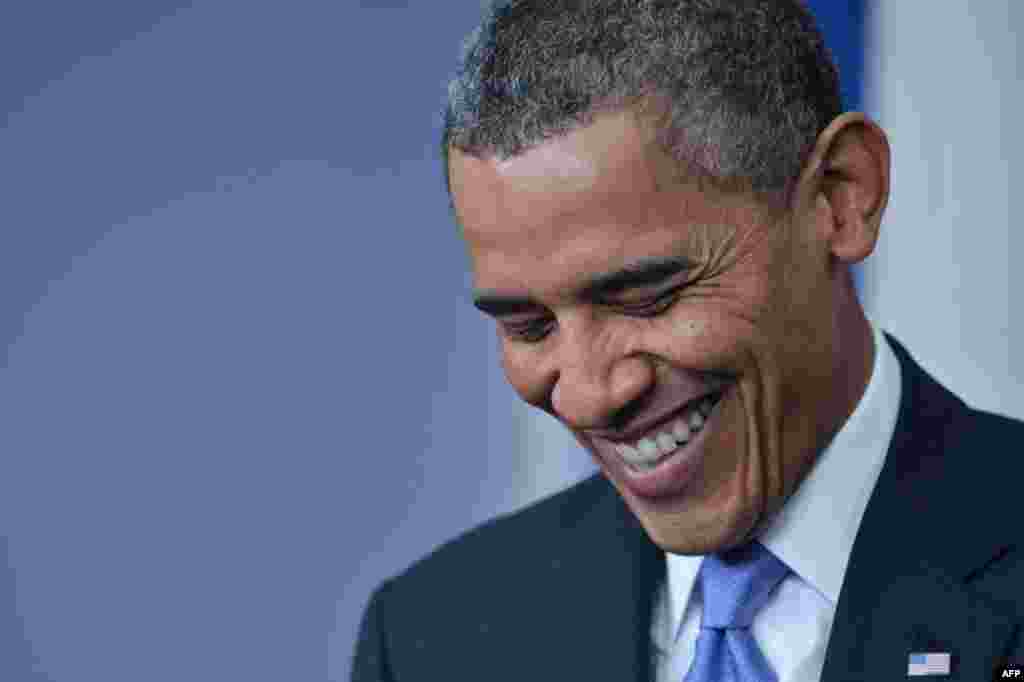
[{"x": 849, "y": 170}]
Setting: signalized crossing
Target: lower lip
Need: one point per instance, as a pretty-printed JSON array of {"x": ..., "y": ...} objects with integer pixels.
[{"x": 672, "y": 476}]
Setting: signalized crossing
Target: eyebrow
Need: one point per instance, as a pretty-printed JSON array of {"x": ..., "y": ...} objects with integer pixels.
[{"x": 643, "y": 273}]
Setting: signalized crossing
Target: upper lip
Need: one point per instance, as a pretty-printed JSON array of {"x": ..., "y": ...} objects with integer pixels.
[{"x": 645, "y": 426}]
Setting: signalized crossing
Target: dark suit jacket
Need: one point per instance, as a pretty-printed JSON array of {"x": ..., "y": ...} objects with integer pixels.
[{"x": 563, "y": 590}]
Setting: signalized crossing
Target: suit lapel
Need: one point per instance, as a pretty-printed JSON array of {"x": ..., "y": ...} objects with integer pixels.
[
  {"x": 905, "y": 589},
  {"x": 611, "y": 608}
]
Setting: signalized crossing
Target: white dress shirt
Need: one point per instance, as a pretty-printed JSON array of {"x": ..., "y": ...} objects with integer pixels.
[{"x": 813, "y": 534}]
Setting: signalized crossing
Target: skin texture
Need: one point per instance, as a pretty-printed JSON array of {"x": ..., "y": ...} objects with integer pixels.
[{"x": 768, "y": 313}]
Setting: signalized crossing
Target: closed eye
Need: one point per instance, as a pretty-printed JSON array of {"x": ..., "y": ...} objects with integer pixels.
[
  {"x": 535, "y": 330},
  {"x": 528, "y": 331},
  {"x": 652, "y": 307}
]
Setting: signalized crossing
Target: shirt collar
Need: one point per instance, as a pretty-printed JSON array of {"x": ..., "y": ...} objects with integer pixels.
[{"x": 814, "y": 531}]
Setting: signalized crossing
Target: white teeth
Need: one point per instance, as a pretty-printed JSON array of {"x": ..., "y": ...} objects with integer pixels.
[
  {"x": 648, "y": 452},
  {"x": 681, "y": 431},
  {"x": 648, "y": 448},
  {"x": 666, "y": 443},
  {"x": 644, "y": 457},
  {"x": 696, "y": 420},
  {"x": 636, "y": 457}
]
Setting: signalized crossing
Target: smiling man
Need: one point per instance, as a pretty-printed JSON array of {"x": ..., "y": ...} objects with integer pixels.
[
  {"x": 661, "y": 203},
  {"x": 701, "y": 345}
]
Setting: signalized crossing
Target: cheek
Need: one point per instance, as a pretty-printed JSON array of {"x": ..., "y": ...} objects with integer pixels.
[
  {"x": 732, "y": 438},
  {"x": 690, "y": 334},
  {"x": 521, "y": 374},
  {"x": 689, "y": 329},
  {"x": 701, "y": 337}
]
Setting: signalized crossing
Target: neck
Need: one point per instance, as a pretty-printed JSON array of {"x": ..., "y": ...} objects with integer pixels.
[{"x": 855, "y": 355}]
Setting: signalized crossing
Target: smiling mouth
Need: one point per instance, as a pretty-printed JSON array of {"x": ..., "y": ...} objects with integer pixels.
[{"x": 670, "y": 438}]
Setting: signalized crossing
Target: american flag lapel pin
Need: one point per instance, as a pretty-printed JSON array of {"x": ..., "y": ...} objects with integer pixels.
[{"x": 928, "y": 664}]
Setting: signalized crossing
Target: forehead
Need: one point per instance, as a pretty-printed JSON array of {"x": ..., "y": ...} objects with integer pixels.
[{"x": 591, "y": 201}]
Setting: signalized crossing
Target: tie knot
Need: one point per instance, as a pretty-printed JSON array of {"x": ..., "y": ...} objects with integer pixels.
[{"x": 737, "y": 583}]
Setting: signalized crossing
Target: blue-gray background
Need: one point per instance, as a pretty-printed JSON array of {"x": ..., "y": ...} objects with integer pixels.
[{"x": 242, "y": 381}]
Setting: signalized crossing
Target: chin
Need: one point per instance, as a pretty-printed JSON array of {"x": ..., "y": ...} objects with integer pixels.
[
  {"x": 709, "y": 541},
  {"x": 698, "y": 531}
]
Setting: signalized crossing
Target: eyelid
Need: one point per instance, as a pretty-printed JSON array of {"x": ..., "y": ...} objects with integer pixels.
[
  {"x": 521, "y": 329},
  {"x": 525, "y": 331},
  {"x": 652, "y": 292},
  {"x": 651, "y": 302}
]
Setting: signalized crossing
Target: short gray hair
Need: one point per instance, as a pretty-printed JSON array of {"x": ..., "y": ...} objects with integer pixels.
[{"x": 742, "y": 88}]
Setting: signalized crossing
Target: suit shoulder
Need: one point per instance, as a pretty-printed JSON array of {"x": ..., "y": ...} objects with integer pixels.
[
  {"x": 998, "y": 424},
  {"x": 511, "y": 541},
  {"x": 510, "y": 565},
  {"x": 1000, "y": 439},
  {"x": 988, "y": 474},
  {"x": 995, "y": 447}
]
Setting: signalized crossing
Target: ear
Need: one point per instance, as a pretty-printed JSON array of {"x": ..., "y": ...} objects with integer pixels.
[{"x": 844, "y": 186}]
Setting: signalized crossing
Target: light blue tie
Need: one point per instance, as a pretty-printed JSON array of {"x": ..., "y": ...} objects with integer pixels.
[{"x": 736, "y": 584}]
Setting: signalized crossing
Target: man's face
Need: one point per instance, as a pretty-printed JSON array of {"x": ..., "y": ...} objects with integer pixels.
[{"x": 685, "y": 335}]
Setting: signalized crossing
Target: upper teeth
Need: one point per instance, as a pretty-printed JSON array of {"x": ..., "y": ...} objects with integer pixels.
[{"x": 648, "y": 450}]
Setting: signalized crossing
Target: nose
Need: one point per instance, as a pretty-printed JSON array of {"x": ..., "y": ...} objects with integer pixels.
[{"x": 593, "y": 389}]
